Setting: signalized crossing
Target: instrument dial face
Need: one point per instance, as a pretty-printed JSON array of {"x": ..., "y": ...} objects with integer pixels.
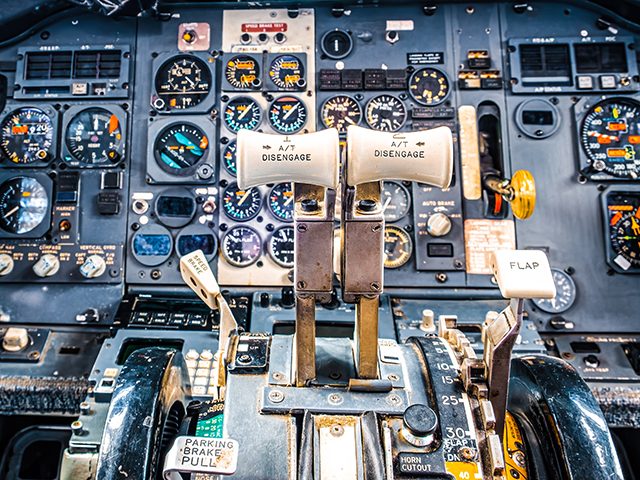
[
  {"x": 625, "y": 237},
  {"x": 281, "y": 246},
  {"x": 281, "y": 202},
  {"x": 565, "y": 294},
  {"x": 241, "y": 205},
  {"x": 386, "y": 113},
  {"x": 396, "y": 201},
  {"x": 243, "y": 72},
  {"x": 94, "y": 136},
  {"x": 610, "y": 137},
  {"x": 288, "y": 115},
  {"x": 336, "y": 44},
  {"x": 23, "y": 205},
  {"x": 180, "y": 147},
  {"x": 183, "y": 82},
  {"x": 241, "y": 246},
  {"x": 287, "y": 72},
  {"x": 428, "y": 86},
  {"x": 229, "y": 158},
  {"x": 242, "y": 113},
  {"x": 398, "y": 247},
  {"x": 26, "y": 136},
  {"x": 340, "y": 112}
]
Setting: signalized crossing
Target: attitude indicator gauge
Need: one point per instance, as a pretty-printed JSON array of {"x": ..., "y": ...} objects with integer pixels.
[
  {"x": 610, "y": 137},
  {"x": 180, "y": 147},
  {"x": 241, "y": 205},
  {"x": 625, "y": 238},
  {"x": 398, "y": 247},
  {"x": 26, "y": 136},
  {"x": 242, "y": 113},
  {"x": 24, "y": 204},
  {"x": 241, "y": 246},
  {"x": 428, "y": 86},
  {"x": 93, "y": 137},
  {"x": 281, "y": 245},
  {"x": 396, "y": 201},
  {"x": 565, "y": 294},
  {"x": 229, "y": 158},
  {"x": 288, "y": 115},
  {"x": 281, "y": 202},
  {"x": 386, "y": 113},
  {"x": 339, "y": 112},
  {"x": 287, "y": 72},
  {"x": 243, "y": 72},
  {"x": 183, "y": 82}
]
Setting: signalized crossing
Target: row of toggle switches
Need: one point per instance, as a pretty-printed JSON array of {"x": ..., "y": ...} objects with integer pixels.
[{"x": 49, "y": 264}]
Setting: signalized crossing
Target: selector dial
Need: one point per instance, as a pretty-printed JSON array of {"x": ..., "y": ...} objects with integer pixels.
[
  {"x": 47, "y": 265},
  {"x": 438, "y": 225},
  {"x": 93, "y": 267}
]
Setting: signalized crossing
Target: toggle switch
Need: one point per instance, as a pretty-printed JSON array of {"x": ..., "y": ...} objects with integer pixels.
[
  {"x": 93, "y": 266},
  {"x": 15, "y": 339},
  {"x": 438, "y": 225},
  {"x": 47, "y": 265},
  {"x": 6, "y": 264}
]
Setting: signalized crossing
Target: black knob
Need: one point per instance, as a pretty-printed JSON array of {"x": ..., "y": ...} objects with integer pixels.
[
  {"x": 264, "y": 300},
  {"x": 263, "y": 37},
  {"x": 420, "y": 420},
  {"x": 288, "y": 299},
  {"x": 245, "y": 38},
  {"x": 280, "y": 37}
]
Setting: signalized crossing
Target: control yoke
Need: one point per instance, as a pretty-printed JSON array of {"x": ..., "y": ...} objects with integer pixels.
[
  {"x": 372, "y": 156},
  {"x": 312, "y": 162}
]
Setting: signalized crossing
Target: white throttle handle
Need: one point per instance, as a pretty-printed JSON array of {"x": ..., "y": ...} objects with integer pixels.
[
  {"x": 425, "y": 156},
  {"x": 311, "y": 158}
]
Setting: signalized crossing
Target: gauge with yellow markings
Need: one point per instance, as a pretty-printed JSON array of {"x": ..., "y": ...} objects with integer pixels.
[
  {"x": 429, "y": 86},
  {"x": 243, "y": 72},
  {"x": 398, "y": 247},
  {"x": 241, "y": 205},
  {"x": 340, "y": 111},
  {"x": 287, "y": 72},
  {"x": 26, "y": 136}
]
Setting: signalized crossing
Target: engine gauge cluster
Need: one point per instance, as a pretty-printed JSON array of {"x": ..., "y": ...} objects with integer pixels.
[
  {"x": 183, "y": 82},
  {"x": 27, "y": 136},
  {"x": 288, "y": 115},
  {"x": 271, "y": 72},
  {"x": 242, "y": 113},
  {"x": 94, "y": 136}
]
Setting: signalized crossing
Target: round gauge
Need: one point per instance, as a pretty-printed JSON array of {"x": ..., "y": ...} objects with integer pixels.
[
  {"x": 229, "y": 158},
  {"x": 26, "y": 136},
  {"x": 287, "y": 115},
  {"x": 183, "y": 82},
  {"x": 241, "y": 205},
  {"x": 386, "y": 113},
  {"x": 428, "y": 86},
  {"x": 243, "y": 72},
  {"x": 281, "y": 246},
  {"x": 625, "y": 237},
  {"x": 565, "y": 294},
  {"x": 241, "y": 246},
  {"x": 336, "y": 44},
  {"x": 152, "y": 245},
  {"x": 180, "y": 147},
  {"x": 610, "y": 134},
  {"x": 242, "y": 113},
  {"x": 175, "y": 207},
  {"x": 287, "y": 72},
  {"x": 23, "y": 205},
  {"x": 197, "y": 237},
  {"x": 281, "y": 202},
  {"x": 340, "y": 112},
  {"x": 396, "y": 201},
  {"x": 398, "y": 247},
  {"x": 94, "y": 136}
]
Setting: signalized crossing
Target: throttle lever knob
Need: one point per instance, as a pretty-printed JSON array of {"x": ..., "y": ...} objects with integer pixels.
[{"x": 425, "y": 156}]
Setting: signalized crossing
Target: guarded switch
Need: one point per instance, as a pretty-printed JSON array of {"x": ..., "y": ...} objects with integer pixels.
[
  {"x": 438, "y": 225},
  {"x": 47, "y": 265},
  {"x": 6, "y": 264},
  {"x": 15, "y": 339},
  {"x": 93, "y": 266}
]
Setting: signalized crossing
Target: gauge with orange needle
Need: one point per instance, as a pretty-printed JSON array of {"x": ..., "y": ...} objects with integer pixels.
[
  {"x": 180, "y": 148},
  {"x": 241, "y": 205},
  {"x": 625, "y": 237},
  {"x": 610, "y": 137},
  {"x": 94, "y": 136}
]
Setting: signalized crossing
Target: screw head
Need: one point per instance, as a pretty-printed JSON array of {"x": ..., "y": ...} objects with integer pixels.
[{"x": 276, "y": 396}]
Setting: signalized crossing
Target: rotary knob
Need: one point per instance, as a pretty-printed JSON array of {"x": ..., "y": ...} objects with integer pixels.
[
  {"x": 419, "y": 423},
  {"x": 6, "y": 264},
  {"x": 93, "y": 266},
  {"x": 15, "y": 339},
  {"x": 438, "y": 225},
  {"x": 47, "y": 265}
]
